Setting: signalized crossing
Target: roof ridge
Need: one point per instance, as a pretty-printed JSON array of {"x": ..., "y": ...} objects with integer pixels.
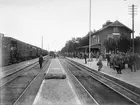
[{"x": 112, "y": 24}]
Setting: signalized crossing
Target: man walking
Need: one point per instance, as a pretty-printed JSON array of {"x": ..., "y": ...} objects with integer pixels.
[{"x": 40, "y": 61}]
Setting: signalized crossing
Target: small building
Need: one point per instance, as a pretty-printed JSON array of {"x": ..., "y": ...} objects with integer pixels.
[{"x": 109, "y": 29}]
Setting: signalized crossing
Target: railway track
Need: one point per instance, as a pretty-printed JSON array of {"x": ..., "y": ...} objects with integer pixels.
[
  {"x": 8, "y": 75},
  {"x": 17, "y": 67},
  {"x": 15, "y": 85},
  {"x": 103, "y": 89},
  {"x": 130, "y": 87},
  {"x": 6, "y": 78}
]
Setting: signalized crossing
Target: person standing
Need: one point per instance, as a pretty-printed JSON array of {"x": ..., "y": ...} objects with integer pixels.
[
  {"x": 99, "y": 64},
  {"x": 40, "y": 61},
  {"x": 97, "y": 55},
  {"x": 119, "y": 64},
  {"x": 85, "y": 57},
  {"x": 108, "y": 59},
  {"x": 131, "y": 62},
  {"x": 91, "y": 56}
]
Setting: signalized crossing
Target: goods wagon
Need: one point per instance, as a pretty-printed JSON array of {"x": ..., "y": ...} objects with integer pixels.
[
  {"x": 23, "y": 51},
  {"x": 33, "y": 52},
  {"x": 7, "y": 51},
  {"x": 44, "y": 52},
  {"x": 13, "y": 51},
  {"x": 52, "y": 53},
  {"x": 39, "y": 52}
]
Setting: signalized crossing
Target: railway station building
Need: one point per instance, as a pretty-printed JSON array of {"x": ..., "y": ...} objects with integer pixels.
[{"x": 109, "y": 29}]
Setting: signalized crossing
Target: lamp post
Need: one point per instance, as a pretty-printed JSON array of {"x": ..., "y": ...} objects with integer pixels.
[{"x": 89, "y": 27}]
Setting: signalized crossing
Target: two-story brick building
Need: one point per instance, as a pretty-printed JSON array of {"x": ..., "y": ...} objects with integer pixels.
[{"x": 109, "y": 29}]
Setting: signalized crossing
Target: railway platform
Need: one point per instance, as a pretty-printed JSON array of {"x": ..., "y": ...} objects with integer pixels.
[
  {"x": 57, "y": 91},
  {"x": 126, "y": 76}
]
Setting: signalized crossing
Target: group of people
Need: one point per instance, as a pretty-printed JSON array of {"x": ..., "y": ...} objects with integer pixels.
[{"x": 119, "y": 60}]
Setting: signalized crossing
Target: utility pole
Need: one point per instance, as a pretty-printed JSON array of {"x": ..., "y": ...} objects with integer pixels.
[
  {"x": 89, "y": 28},
  {"x": 42, "y": 43},
  {"x": 132, "y": 12},
  {"x": 67, "y": 47}
]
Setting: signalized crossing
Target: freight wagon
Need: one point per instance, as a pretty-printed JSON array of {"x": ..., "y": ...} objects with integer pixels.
[{"x": 13, "y": 51}]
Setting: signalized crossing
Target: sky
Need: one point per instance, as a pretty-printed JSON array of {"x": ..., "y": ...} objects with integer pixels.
[{"x": 60, "y": 20}]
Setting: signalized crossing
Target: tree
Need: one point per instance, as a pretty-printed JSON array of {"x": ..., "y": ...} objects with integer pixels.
[
  {"x": 121, "y": 44},
  {"x": 110, "y": 44},
  {"x": 84, "y": 41},
  {"x": 124, "y": 44},
  {"x": 71, "y": 45},
  {"x": 137, "y": 44}
]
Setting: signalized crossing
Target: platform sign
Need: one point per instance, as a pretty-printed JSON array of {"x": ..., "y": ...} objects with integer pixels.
[{"x": 116, "y": 33}]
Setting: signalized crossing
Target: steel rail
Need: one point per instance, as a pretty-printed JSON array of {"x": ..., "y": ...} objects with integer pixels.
[
  {"x": 16, "y": 73},
  {"x": 19, "y": 69},
  {"x": 80, "y": 83},
  {"x": 100, "y": 74},
  {"x": 15, "y": 103},
  {"x": 102, "y": 79}
]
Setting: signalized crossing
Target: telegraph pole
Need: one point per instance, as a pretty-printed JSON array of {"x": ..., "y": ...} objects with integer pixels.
[
  {"x": 89, "y": 27},
  {"x": 132, "y": 12}
]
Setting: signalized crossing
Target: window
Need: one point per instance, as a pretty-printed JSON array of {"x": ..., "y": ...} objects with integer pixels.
[
  {"x": 98, "y": 39},
  {"x": 115, "y": 30},
  {"x": 95, "y": 39}
]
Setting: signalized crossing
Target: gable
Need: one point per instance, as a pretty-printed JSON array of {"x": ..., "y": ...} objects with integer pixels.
[{"x": 113, "y": 24}]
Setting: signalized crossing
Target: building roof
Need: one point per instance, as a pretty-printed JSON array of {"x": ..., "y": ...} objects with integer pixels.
[
  {"x": 116, "y": 23},
  {"x": 87, "y": 46},
  {"x": 83, "y": 47}
]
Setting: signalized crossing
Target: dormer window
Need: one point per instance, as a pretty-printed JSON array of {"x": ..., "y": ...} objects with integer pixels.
[{"x": 115, "y": 30}]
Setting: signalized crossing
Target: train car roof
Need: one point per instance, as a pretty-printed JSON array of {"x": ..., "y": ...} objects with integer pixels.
[{"x": 25, "y": 43}]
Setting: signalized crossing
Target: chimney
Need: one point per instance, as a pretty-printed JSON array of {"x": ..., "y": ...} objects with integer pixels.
[{"x": 107, "y": 23}]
